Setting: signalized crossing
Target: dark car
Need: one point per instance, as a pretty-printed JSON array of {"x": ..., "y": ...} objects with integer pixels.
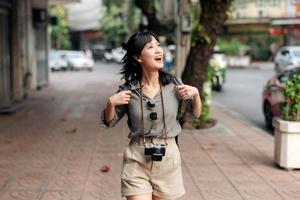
[{"x": 273, "y": 94}]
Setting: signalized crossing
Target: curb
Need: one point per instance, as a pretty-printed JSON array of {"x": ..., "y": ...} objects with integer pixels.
[{"x": 242, "y": 120}]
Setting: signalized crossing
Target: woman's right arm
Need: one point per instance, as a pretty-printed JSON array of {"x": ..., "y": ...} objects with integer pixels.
[{"x": 120, "y": 98}]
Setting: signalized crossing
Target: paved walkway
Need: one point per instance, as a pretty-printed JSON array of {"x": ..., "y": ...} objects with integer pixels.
[{"x": 54, "y": 148}]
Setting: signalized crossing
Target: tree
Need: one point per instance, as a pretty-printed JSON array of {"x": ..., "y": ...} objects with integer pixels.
[
  {"x": 149, "y": 8},
  {"x": 60, "y": 33},
  {"x": 113, "y": 27},
  {"x": 212, "y": 17},
  {"x": 119, "y": 19}
]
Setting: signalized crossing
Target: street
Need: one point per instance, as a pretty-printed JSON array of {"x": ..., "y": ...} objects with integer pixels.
[{"x": 242, "y": 94}]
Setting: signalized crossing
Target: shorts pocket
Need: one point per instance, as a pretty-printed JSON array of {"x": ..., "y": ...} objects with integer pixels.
[
  {"x": 127, "y": 154},
  {"x": 129, "y": 164}
]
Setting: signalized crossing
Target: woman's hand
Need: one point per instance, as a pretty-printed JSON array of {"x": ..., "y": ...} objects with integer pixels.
[
  {"x": 120, "y": 98},
  {"x": 186, "y": 91}
]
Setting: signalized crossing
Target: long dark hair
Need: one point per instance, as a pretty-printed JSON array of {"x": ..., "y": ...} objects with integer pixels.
[{"x": 132, "y": 70}]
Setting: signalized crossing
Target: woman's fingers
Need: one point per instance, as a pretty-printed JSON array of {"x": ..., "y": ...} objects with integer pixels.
[
  {"x": 127, "y": 99},
  {"x": 127, "y": 92},
  {"x": 126, "y": 96},
  {"x": 185, "y": 91},
  {"x": 180, "y": 88},
  {"x": 122, "y": 97}
]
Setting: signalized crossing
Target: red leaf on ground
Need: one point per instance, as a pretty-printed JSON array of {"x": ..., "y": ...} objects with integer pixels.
[
  {"x": 104, "y": 168},
  {"x": 74, "y": 130}
]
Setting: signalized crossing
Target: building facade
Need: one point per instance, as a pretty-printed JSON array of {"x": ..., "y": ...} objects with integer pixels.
[
  {"x": 273, "y": 17},
  {"x": 24, "y": 46}
]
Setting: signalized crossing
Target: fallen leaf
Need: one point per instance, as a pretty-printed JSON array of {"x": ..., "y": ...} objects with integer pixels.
[
  {"x": 207, "y": 147},
  {"x": 104, "y": 168},
  {"x": 74, "y": 130}
]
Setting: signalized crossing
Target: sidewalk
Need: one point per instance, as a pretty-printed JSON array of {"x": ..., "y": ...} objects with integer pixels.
[{"x": 53, "y": 148}]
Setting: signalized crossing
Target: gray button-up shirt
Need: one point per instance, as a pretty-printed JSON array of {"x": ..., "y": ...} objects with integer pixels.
[{"x": 152, "y": 128}]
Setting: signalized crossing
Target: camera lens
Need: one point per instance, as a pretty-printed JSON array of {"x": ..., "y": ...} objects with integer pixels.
[{"x": 153, "y": 116}]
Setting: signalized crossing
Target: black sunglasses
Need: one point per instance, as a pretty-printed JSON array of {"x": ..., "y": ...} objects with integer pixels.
[{"x": 151, "y": 105}]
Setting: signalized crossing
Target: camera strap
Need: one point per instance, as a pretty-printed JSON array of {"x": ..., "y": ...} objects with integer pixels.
[{"x": 163, "y": 112}]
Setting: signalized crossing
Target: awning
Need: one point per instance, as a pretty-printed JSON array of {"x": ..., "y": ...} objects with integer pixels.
[
  {"x": 58, "y": 2},
  {"x": 285, "y": 21},
  {"x": 247, "y": 21}
]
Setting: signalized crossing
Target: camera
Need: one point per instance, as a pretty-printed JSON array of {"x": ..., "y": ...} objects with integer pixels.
[{"x": 156, "y": 151}]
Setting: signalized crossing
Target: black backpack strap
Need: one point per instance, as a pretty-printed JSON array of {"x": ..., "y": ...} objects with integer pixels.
[{"x": 178, "y": 81}]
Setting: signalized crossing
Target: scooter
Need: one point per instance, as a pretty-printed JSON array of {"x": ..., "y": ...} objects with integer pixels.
[{"x": 219, "y": 74}]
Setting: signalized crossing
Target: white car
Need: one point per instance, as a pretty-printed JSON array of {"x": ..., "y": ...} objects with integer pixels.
[
  {"x": 117, "y": 54},
  {"x": 57, "y": 61},
  {"x": 287, "y": 57},
  {"x": 79, "y": 60}
]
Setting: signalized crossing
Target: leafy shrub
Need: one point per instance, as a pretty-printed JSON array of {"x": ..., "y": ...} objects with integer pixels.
[
  {"x": 290, "y": 109},
  {"x": 233, "y": 47}
]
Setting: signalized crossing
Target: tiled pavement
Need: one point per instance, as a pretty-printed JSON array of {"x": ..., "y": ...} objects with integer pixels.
[{"x": 53, "y": 148}]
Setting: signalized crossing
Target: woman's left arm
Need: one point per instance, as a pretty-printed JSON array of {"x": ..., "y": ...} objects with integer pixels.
[{"x": 187, "y": 92}]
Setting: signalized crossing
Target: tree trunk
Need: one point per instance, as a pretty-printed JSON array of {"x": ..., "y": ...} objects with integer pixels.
[
  {"x": 212, "y": 17},
  {"x": 149, "y": 11}
]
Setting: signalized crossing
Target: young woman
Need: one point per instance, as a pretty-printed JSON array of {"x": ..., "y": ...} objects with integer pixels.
[{"x": 150, "y": 98}]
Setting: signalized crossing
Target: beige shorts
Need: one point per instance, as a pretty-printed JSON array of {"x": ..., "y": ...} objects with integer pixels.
[{"x": 141, "y": 175}]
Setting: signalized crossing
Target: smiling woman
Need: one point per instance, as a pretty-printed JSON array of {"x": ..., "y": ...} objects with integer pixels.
[{"x": 150, "y": 98}]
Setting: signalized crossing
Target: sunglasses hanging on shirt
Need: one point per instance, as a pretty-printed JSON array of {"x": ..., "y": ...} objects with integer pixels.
[
  {"x": 151, "y": 105},
  {"x": 153, "y": 115}
]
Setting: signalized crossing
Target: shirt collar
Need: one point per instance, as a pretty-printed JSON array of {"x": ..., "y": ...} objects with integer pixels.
[{"x": 135, "y": 86}]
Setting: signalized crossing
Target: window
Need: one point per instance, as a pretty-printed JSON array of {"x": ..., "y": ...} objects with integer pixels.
[
  {"x": 261, "y": 3},
  {"x": 284, "y": 77},
  {"x": 265, "y": 3},
  {"x": 241, "y": 3},
  {"x": 284, "y": 52}
]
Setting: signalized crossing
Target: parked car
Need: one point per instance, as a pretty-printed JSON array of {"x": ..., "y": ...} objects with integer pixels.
[
  {"x": 287, "y": 57},
  {"x": 218, "y": 62},
  {"x": 273, "y": 94},
  {"x": 57, "y": 61},
  {"x": 98, "y": 51},
  {"x": 78, "y": 60},
  {"x": 108, "y": 57},
  {"x": 117, "y": 54}
]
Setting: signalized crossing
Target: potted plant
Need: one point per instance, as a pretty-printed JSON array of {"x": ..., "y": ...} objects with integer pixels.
[{"x": 287, "y": 126}]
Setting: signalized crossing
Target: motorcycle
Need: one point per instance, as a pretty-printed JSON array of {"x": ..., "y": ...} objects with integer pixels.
[{"x": 218, "y": 65}]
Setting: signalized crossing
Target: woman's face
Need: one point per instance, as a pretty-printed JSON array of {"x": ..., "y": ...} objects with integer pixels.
[{"x": 151, "y": 56}]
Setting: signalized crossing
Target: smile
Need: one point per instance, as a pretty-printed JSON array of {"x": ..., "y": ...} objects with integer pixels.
[{"x": 158, "y": 59}]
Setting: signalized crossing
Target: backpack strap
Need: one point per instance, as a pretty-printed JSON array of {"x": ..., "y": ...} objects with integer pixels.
[{"x": 177, "y": 82}]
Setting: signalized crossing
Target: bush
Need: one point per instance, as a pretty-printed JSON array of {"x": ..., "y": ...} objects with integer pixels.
[
  {"x": 233, "y": 47},
  {"x": 290, "y": 109}
]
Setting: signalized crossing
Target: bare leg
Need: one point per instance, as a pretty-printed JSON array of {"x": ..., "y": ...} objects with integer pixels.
[
  {"x": 140, "y": 197},
  {"x": 157, "y": 198}
]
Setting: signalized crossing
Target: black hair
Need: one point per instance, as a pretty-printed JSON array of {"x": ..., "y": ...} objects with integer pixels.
[{"x": 132, "y": 70}]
